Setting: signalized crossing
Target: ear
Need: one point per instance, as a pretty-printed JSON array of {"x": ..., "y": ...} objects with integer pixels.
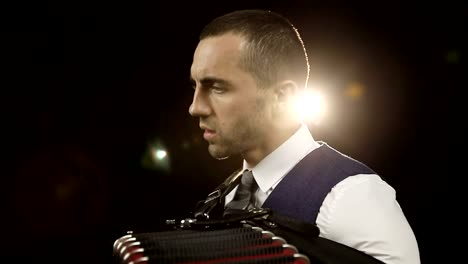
[{"x": 285, "y": 92}]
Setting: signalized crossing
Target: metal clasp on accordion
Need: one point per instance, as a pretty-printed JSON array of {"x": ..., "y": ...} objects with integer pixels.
[{"x": 206, "y": 223}]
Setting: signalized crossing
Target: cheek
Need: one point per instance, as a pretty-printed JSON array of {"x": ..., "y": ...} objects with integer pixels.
[
  {"x": 233, "y": 120},
  {"x": 235, "y": 113}
]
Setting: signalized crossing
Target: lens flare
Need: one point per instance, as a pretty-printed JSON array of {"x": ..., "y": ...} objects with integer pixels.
[{"x": 310, "y": 106}]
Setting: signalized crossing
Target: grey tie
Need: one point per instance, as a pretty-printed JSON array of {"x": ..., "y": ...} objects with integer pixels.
[{"x": 244, "y": 197}]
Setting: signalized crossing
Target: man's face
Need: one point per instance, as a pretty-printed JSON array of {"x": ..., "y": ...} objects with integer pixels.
[{"x": 234, "y": 112}]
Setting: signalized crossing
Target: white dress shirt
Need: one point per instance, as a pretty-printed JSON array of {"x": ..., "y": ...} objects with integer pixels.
[{"x": 360, "y": 211}]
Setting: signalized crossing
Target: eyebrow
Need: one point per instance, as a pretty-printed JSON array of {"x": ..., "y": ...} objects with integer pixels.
[{"x": 209, "y": 81}]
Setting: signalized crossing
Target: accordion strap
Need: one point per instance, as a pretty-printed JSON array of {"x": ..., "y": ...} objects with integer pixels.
[
  {"x": 209, "y": 212},
  {"x": 213, "y": 206}
]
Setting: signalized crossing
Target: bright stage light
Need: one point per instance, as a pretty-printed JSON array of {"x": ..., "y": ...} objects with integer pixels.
[{"x": 310, "y": 106}]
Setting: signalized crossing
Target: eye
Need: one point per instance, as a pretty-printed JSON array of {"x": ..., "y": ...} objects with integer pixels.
[
  {"x": 217, "y": 89},
  {"x": 193, "y": 84}
]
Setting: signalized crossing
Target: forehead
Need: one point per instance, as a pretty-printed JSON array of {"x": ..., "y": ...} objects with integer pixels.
[{"x": 217, "y": 55}]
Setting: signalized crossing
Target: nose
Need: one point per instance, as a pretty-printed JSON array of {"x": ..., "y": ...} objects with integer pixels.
[{"x": 200, "y": 104}]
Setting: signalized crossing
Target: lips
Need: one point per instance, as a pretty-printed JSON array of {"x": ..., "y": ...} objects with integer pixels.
[{"x": 209, "y": 134}]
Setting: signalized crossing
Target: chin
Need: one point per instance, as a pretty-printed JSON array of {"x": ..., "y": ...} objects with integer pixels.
[{"x": 217, "y": 153}]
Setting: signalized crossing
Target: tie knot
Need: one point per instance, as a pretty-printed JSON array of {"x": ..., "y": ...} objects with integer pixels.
[
  {"x": 247, "y": 178},
  {"x": 244, "y": 197}
]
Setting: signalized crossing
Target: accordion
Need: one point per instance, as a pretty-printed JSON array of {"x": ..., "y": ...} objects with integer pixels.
[
  {"x": 245, "y": 244},
  {"x": 255, "y": 237}
]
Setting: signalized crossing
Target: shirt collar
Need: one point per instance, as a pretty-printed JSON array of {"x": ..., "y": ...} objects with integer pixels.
[{"x": 269, "y": 171}]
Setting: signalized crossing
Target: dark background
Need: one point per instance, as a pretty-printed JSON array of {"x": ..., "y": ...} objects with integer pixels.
[{"x": 90, "y": 87}]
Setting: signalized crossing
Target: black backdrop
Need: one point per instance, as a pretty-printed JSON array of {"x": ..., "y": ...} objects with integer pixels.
[{"x": 91, "y": 85}]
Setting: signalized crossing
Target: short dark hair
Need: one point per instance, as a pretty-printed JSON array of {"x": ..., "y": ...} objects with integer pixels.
[{"x": 275, "y": 50}]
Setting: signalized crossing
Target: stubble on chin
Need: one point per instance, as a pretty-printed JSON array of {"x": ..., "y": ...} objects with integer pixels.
[{"x": 217, "y": 153}]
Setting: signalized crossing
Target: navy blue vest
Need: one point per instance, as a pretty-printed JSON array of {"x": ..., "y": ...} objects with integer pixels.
[{"x": 302, "y": 191}]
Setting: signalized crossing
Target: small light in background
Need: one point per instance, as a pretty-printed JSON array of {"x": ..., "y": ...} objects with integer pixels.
[
  {"x": 156, "y": 157},
  {"x": 452, "y": 56},
  {"x": 185, "y": 145},
  {"x": 355, "y": 90},
  {"x": 159, "y": 154}
]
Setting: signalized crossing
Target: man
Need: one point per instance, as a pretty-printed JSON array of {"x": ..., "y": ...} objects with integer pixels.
[{"x": 247, "y": 68}]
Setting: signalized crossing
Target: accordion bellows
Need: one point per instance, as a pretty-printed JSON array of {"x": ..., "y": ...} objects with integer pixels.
[{"x": 246, "y": 244}]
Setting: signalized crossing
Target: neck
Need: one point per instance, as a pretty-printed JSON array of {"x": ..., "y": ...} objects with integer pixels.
[{"x": 277, "y": 136}]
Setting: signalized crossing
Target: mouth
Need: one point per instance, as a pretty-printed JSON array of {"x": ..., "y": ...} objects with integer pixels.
[{"x": 208, "y": 134}]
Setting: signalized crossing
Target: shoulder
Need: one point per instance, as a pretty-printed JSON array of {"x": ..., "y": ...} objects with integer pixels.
[
  {"x": 359, "y": 192},
  {"x": 362, "y": 212},
  {"x": 364, "y": 185}
]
